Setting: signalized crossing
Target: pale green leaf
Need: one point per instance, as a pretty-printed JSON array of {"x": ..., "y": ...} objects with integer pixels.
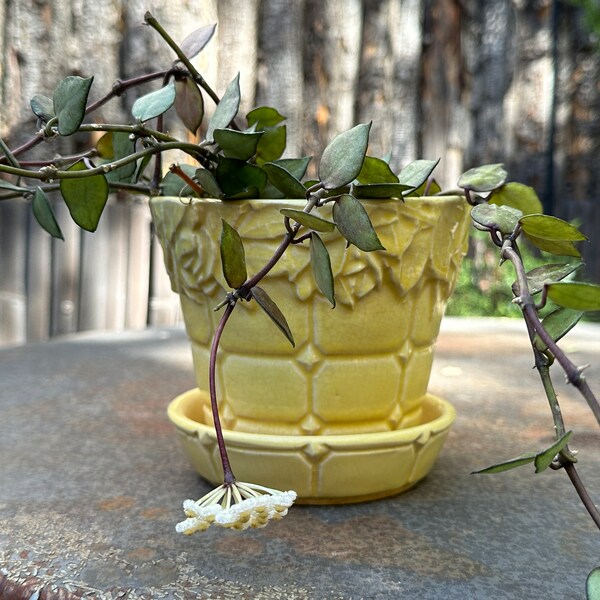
[
  {"x": 311, "y": 221},
  {"x": 226, "y": 110},
  {"x": 491, "y": 216},
  {"x": 519, "y": 196},
  {"x": 578, "y": 296},
  {"x": 155, "y": 103},
  {"x": 544, "y": 459},
  {"x": 233, "y": 257},
  {"x": 484, "y": 178}
]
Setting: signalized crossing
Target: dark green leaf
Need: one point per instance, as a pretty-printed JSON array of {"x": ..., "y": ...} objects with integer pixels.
[
  {"x": 557, "y": 247},
  {"x": 484, "y": 178},
  {"x": 189, "y": 103},
  {"x": 308, "y": 220},
  {"x": 343, "y": 158},
  {"x": 197, "y": 40},
  {"x": 44, "y": 214},
  {"x": 295, "y": 166},
  {"x": 416, "y": 173},
  {"x": 284, "y": 181},
  {"x": 122, "y": 146},
  {"x": 42, "y": 107},
  {"x": 272, "y": 310},
  {"x": 272, "y": 144},
  {"x": 592, "y": 585},
  {"x": 538, "y": 277},
  {"x": 321, "y": 267},
  {"x": 5, "y": 185},
  {"x": 264, "y": 116},
  {"x": 237, "y": 144},
  {"x": 154, "y": 104},
  {"x": 513, "y": 463},
  {"x": 249, "y": 192},
  {"x": 70, "y": 99},
  {"x": 208, "y": 183},
  {"x": 380, "y": 190},
  {"x": 557, "y": 324},
  {"x": 491, "y": 216},
  {"x": 544, "y": 459},
  {"x": 173, "y": 185},
  {"x": 233, "y": 257},
  {"x": 375, "y": 170},
  {"x": 226, "y": 110},
  {"x": 578, "y": 296},
  {"x": 551, "y": 228},
  {"x": 85, "y": 197},
  {"x": 236, "y": 176},
  {"x": 354, "y": 224},
  {"x": 519, "y": 196}
]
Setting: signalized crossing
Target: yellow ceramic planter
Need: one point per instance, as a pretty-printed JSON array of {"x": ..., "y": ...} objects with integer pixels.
[{"x": 361, "y": 368}]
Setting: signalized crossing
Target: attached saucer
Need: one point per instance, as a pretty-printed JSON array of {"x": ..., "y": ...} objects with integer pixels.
[{"x": 326, "y": 469}]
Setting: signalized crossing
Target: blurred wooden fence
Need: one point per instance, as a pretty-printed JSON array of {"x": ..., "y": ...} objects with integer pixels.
[{"x": 513, "y": 81}]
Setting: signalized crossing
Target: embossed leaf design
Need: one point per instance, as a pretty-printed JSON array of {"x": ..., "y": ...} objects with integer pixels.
[
  {"x": 154, "y": 104},
  {"x": 321, "y": 267},
  {"x": 519, "y": 196},
  {"x": 484, "y": 178},
  {"x": 42, "y": 210},
  {"x": 501, "y": 218},
  {"x": 85, "y": 197},
  {"x": 194, "y": 43},
  {"x": 311, "y": 221},
  {"x": 189, "y": 103},
  {"x": 578, "y": 296},
  {"x": 354, "y": 224},
  {"x": 69, "y": 99},
  {"x": 226, "y": 110},
  {"x": 266, "y": 303},
  {"x": 233, "y": 257},
  {"x": 343, "y": 158}
]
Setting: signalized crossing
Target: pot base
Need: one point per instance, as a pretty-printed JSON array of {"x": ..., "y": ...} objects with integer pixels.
[{"x": 326, "y": 469}]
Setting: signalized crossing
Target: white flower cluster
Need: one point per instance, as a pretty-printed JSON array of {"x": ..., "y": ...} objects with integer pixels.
[{"x": 236, "y": 506}]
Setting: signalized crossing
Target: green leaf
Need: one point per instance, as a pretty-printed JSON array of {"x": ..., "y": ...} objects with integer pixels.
[
  {"x": 311, "y": 221},
  {"x": 380, "y": 190},
  {"x": 375, "y": 170},
  {"x": 343, "y": 158},
  {"x": 432, "y": 188},
  {"x": 85, "y": 197},
  {"x": 284, "y": 181},
  {"x": 42, "y": 210},
  {"x": 249, "y": 192},
  {"x": 519, "y": 196},
  {"x": 226, "y": 110},
  {"x": 264, "y": 301},
  {"x": 484, "y": 178},
  {"x": 321, "y": 267},
  {"x": 513, "y": 463},
  {"x": 264, "y": 116},
  {"x": 578, "y": 296},
  {"x": 272, "y": 144},
  {"x": 354, "y": 224},
  {"x": 416, "y": 173},
  {"x": 154, "y": 104},
  {"x": 194, "y": 43},
  {"x": 544, "y": 459},
  {"x": 237, "y": 144},
  {"x": 540, "y": 276},
  {"x": 122, "y": 146},
  {"x": 69, "y": 100},
  {"x": 556, "y": 247},
  {"x": 236, "y": 177},
  {"x": 233, "y": 257},
  {"x": 557, "y": 324},
  {"x": 189, "y": 103},
  {"x": 295, "y": 166},
  {"x": 42, "y": 107},
  {"x": 491, "y": 216},
  {"x": 104, "y": 146},
  {"x": 592, "y": 585},
  {"x": 6, "y": 185},
  {"x": 551, "y": 228},
  {"x": 173, "y": 185},
  {"x": 208, "y": 183}
]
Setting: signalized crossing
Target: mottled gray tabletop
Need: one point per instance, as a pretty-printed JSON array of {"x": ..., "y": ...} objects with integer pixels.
[{"x": 92, "y": 480}]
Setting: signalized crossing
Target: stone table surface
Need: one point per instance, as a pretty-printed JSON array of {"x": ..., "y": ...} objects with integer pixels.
[{"x": 92, "y": 479}]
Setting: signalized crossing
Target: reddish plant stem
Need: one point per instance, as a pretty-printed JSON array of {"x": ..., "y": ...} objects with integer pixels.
[{"x": 582, "y": 492}]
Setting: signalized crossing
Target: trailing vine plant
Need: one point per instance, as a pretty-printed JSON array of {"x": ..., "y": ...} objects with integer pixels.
[{"x": 243, "y": 160}]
